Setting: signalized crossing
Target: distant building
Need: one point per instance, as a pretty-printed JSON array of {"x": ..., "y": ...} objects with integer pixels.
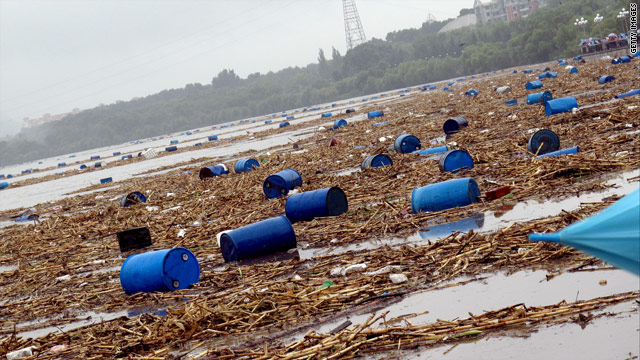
[{"x": 505, "y": 10}]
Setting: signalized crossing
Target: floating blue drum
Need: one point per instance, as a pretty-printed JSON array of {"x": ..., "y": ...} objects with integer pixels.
[
  {"x": 161, "y": 270},
  {"x": 1, "y": 176},
  {"x": 9, "y": 176},
  {"x": 628, "y": 93},
  {"x": 573, "y": 70},
  {"x": 472, "y": 92},
  {"x": 455, "y": 160},
  {"x": 213, "y": 137},
  {"x": 327, "y": 114},
  {"x": 406, "y": 143},
  {"x": 533, "y": 85},
  {"x": 453, "y": 125},
  {"x": 4, "y": 184},
  {"x": 290, "y": 117},
  {"x": 348, "y": 111},
  {"x": 95, "y": 157},
  {"x": 567, "y": 151},
  {"x": 605, "y": 79},
  {"x": 544, "y": 139},
  {"x": 374, "y": 114},
  {"x": 431, "y": 151},
  {"x": 116, "y": 153},
  {"x": 170, "y": 148},
  {"x": 376, "y": 161},
  {"x": 188, "y": 133},
  {"x": 62, "y": 164},
  {"x": 513, "y": 102},
  {"x": 211, "y": 171},
  {"x": 173, "y": 142},
  {"x": 135, "y": 197},
  {"x": 318, "y": 203},
  {"x": 527, "y": 71},
  {"x": 83, "y": 166},
  {"x": 197, "y": 144},
  {"x": 563, "y": 63},
  {"x": 284, "y": 124},
  {"x": 245, "y": 165},
  {"x": 561, "y": 105},
  {"x": 339, "y": 123},
  {"x": 106, "y": 180},
  {"x": 268, "y": 121},
  {"x": 624, "y": 59},
  {"x": 280, "y": 183},
  {"x": 128, "y": 156},
  {"x": 262, "y": 238},
  {"x": 445, "y": 195},
  {"x": 539, "y": 97}
]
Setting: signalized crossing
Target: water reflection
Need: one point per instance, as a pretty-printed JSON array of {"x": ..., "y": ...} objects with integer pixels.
[{"x": 476, "y": 221}]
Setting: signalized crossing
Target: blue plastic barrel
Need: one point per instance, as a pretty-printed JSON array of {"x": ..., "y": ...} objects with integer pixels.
[
  {"x": 133, "y": 198},
  {"x": 445, "y": 88},
  {"x": 4, "y": 184},
  {"x": 374, "y": 114},
  {"x": 188, "y": 133},
  {"x": 116, "y": 153},
  {"x": 173, "y": 142},
  {"x": 455, "y": 160},
  {"x": 95, "y": 157},
  {"x": 211, "y": 171},
  {"x": 533, "y": 85},
  {"x": 561, "y": 105},
  {"x": 472, "y": 92},
  {"x": 431, "y": 151},
  {"x": 377, "y": 160},
  {"x": 62, "y": 164},
  {"x": 290, "y": 117},
  {"x": 513, "y": 102},
  {"x": 453, "y": 125},
  {"x": 268, "y": 121},
  {"x": 83, "y": 166},
  {"x": 339, "y": 123},
  {"x": 348, "y": 111},
  {"x": 605, "y": 79},
  {"x": 318, "y": 203},
  {"x": 161, "y": 270},
  {"x": 527, "y": 71},
  {"x": 563, "y": 63},
  {"x": 628, "y": 93},
  {"x": 432, "y": 87},
  {"x": 380, "y": 123},
  {"x": 106, "y": 180},
  {"x": 280, "y": 183},
  {"x": 514, "y": 72},
  {"x": 539, "y": 97},
  {"x": 544, "y": 139},
  {"x": 406, "y": 143},
  {"x": 1, "y": 176},
  {"x": 245, "y": 165},
  {"x": 213, "y": 137},
  {"x": 128, "y": 156},
  {"x": 445, "y": 195},
  {"x": 451, "y": 83},
  {"x": 327, "y": 114},
  {"x": 170, "y": 148},
  {"x": 624, "y": 59},
  {"x": 573, "y": 70},
  {"x": 197, "y": 144},
  {"x": 262, "y": 238},
  {"x": 284, "y": 124},
  {"x": 567, "y": 151}
]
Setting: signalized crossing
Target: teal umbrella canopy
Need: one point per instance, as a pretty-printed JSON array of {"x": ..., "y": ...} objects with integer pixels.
[{"x": 612, "y": 235}]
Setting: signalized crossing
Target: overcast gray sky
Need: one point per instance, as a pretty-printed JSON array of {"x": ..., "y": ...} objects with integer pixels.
[{"x": 63, "y": 54}]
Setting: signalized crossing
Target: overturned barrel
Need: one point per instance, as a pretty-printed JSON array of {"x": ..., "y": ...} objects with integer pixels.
[
  {"x": 533, "y": 85},
  {"x": 170, "y": 148},
  {"x": 245, "y": 165},
  {"x": 339, "y": 123},
  {"x": 161, "y": 270},
  {"x": 215, "y": 170},
  {"x": 445, "y": 195},
  {"x": 318, "y": 203},
  {"x": 567, "y": 151},
  {"x": 455, "y": 160},
  {"x": 539, "y": 97},
  {"x": 406, "y": 143},
  {"x": 561, "y": 105},
  {"x": 545, "y": 140},
  {"x": 280, "y": 183},
  {"x": 453, "y": 125},
  {"x": 431, "y": 151},
  {"x": 262, "y": 238},
  {"x": 374, "y": 114},
  {"x": 376, "y": 160},
  {"x": 136, "y": 238},
  {"x": 133, "y": 198},
  {"x": 605, "y": 79}
]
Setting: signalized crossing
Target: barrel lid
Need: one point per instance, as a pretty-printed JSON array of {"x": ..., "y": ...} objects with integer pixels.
[{"x": 180, "y": 269}]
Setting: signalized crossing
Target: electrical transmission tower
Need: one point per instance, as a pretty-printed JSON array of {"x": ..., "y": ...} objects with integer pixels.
[{"x": 352, "y": 26}]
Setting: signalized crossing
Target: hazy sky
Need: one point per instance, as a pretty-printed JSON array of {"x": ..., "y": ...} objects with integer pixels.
[{"x": 62, "y": 54}]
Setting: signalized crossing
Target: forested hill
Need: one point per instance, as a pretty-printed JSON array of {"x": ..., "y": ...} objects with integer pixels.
[{"x": 404, "y": 58}]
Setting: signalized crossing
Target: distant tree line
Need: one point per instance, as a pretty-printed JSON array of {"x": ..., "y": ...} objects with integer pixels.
[{"x": 405, "y": 58}]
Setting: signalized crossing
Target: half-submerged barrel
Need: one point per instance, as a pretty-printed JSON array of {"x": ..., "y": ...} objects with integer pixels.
[
  {"x": 339, "y": 123},
  {"x": 561, "y": 105},
  {"x": 374, "y": 114},
  {"x": 567, "y": 151},
  {"x": 280, "y": 183},
  {"x": 133, "y": 198},
  {"x": 539, "y": 97},
  {"x": 211, "y": 171},
  {"x": 406, "y": 143},
  {"x": 262, "y": 238},
  {"x": 161, "y": 270},
  {"x": 245, "y": 165},
  {"x": 376, "y": 160},
  {"x": 533, "y": 85},
  {"x": 136, "y": 238},
  {"x": 318, "y": 203},
  {"x": 605, "y": 79},
  {"x": 455, "y": 160},
  {"x": 431, "y": 151},
  {"x": 453, "y": 125},
  {"x": 545, "y": 140},
  {"x": 445, "y": 195}
]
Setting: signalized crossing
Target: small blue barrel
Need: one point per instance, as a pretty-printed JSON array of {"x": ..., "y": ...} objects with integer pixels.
[
  {"x": 445, "y": 195},
  {"x": 95, "y": 157},
  {"x": 4, "y": 184},
  {"x": 605, "y": 79},
  {"x": 573, "y": 70},
  {"x": 472, "y": 92},
  {"x": 544, "y": 139},
  {"x": 290, "y": 117},
  {"x": 533, "y": 85},
  {"x": 171, "y": 148},
  {"x": 432, "y": 87},
  {"x": 318, "y": 203},
  {"x": 188, "y": 133},
  {"x": 453, "y": 125},
  {"x": 284, "y": 124},
  {"x": 268, "y": 121},
  {"x": 445, "y": 88},
  {"x": 380, "y": 123},
  {"x": 83, "y": 166},
  {"x": 1, "y": 176},
  {"x": 197, "y": 144},
  {"x": 539, "y": 97},
  {"x": 348, "y": 111},
  {"x": 514, "y": 72},
  {"x": 567, "y": 151},
  {"x": 527, "y": 71},
  {"x": 161, "y": 270},
  {"x": 376, "y": 161},
  {"x": 327, "y": 114},
  {"x": 628, "y": 93},
  {"x": 106, "y": 180},
  {"x": 280, "y": 183},
  {"x": 9, "y": 176},
  {"x": 213, "y": 137},
  {"x": 364, "y": 100},
  {"x": 455, "y": 160},
  {"x": 561, "y": 105},
  {"x": 406, "y": 143},
  {"x": 116, "y": 153},
  {"x": 62, "y": 164},
  {"x": 374, "y": 114},
  {"x": 431, "y": 151},
  {"x": 173, "y": 142},
  {"x": 624, "y": 59},
  {"x": 451, "y": 83},
  {"x": 124, "y": 157},
  {"x": 245, "y": 165},
  {"x": 211, "y": 171},
  {"x": 339, "y": 123},
  {"x": 133, "y": 198},
  {"x": 513, "y": 102},
  {"x": 262, "y": 238},
  {"x": 563, "y": 63}
]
